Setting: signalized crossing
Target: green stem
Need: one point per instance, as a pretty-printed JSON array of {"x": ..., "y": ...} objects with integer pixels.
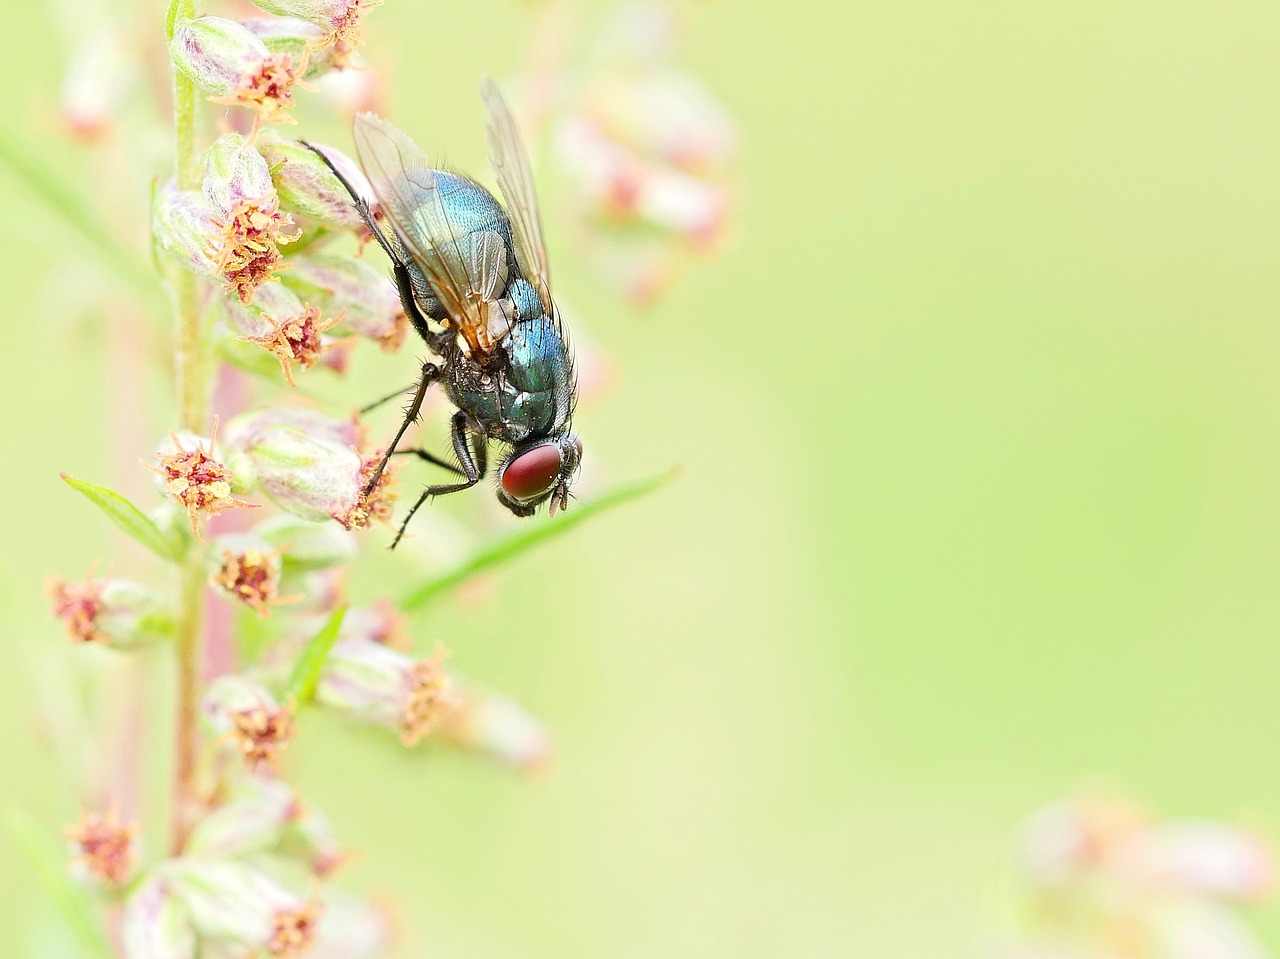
[{"x": 191, "y": 374}]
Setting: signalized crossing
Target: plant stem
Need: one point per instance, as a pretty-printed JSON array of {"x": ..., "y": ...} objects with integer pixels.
[{"x": 191, "y": 374}]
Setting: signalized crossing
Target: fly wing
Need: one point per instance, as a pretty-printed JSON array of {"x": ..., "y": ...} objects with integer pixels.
[
  {"x": 511, "y": 166},
  {"x": 466, "y": 271}
]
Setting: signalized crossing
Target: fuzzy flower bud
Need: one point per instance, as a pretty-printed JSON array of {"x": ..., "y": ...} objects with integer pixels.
[
  {"x": 227, "y": 61},
  {"x": 182, "y": 226},
  {"x": 365, "y": 298},
  {"x": 156, "y": 924},
  {"x": 301, "y": 42},
  {"x": 112, "y": 611},
  {"x": 305, "y": 547},
  {"x": 374, "y": 684},
  {"x": 194, "y": 478},
  {"x": 311, "y": 839},
  {"x": 102, "y": 848},
  {"x": 307, "y": 186},
  {"x": 312, "y": 473},
  {"x": 252, "y": 822},
  {"x": 249, "y": 716},
  {"x": 495, "y": 725},
  {"x": 246, "y": 214},
  {"x": 233, "y": 901},
  {"x": 339, "y": 19},
  {"x": 247, "y": 569}
]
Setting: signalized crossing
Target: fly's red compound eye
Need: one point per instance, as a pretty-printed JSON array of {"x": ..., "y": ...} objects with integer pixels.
[{"x": 531, "y": 473}]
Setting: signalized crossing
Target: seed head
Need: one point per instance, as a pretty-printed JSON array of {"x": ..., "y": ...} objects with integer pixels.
[
  {"x": 195, "y": 479},
  {"x": 102, "y": 846}
]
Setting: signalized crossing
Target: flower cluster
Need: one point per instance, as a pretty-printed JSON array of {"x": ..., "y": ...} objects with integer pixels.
[{"x": 1103, "y": 878}]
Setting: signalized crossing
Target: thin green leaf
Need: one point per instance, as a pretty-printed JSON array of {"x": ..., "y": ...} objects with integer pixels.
[
  {"x": 73, "y": 209},
  {"x": 128, "y": 517},
  {"x": 306, "y": 674},
  {"x": 49, "y": 865},
  {"x": 527, "y": 537}
]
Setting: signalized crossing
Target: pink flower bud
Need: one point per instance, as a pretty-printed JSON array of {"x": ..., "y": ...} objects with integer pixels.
[
  {"x": 156, "y": 924},
  {"x": 227, "y": 61},
  {"x": 246, "y": 214},
  {"x": 310, "y": 838},
  {"x": 312, "y": 470},
  {"x": 363, "y": 295},
  {"x": 495, "y": 725},
  {"x": 247, "y": 715},
  {"x": 306, "y": 186},
  {"x": 339, "y": 19},
  {"x": 253, "y": 821},
  {"x": 112, "y": 611},
  {"x": 374, "y": 684},
  {"x": 301, "y": 42},
  {"x": 182, "y": 226},
  {"x": 231, "y": 900}
]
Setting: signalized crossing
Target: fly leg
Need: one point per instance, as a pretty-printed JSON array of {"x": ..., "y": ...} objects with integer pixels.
[
  {"x": 430, "y": 458},
  {"x": 387, "y": 399},
  {"x": 430, "y": 373},
  {"x": 403, "y": 284},
  {"x": 474, "y": 461}
]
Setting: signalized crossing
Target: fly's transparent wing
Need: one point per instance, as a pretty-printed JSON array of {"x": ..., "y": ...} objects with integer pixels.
[
  {"x": 511, "y": 166},
  {"x": 466, "y": 272}
]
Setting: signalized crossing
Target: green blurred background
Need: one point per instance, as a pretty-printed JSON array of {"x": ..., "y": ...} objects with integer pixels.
[{"x": 977, "y": 417}]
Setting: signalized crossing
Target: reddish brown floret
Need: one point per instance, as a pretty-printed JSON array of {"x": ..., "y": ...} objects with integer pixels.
[
  {"x": 295, "y": 930},
  {"x": 252, "y": 578},
  {"x": 247, "y": 252},
  {"x": 295, "y": 339},
  {"x": 78, "y": 606},
  {"x": 269, "y": 92},
  {"x": 197, "y": 481},
  {"x": 103, "y": 846},
  {"x": 377, "y": 505},
  {"x": 261, "y": 733}
]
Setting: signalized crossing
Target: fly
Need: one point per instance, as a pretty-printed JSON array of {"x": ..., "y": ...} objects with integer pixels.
[{"x": 474, "y": 282}]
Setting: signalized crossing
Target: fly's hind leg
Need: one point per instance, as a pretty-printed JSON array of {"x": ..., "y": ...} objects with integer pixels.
[
  {"x": 473, "y": 460},
  {"x": 430, "y": 458}
]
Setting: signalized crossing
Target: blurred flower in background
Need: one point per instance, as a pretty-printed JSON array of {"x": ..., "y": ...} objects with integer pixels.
[{"x": 1101, "y": 878}]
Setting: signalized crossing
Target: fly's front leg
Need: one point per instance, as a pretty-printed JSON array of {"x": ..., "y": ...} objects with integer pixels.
[
  {"x": 430, "y": 373},
  {"x": 473, "y": 463}
]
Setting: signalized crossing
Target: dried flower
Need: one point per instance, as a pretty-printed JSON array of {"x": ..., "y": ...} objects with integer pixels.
[
  {"x": 372, "y": 683},
  {"x": 364, "y": 296},
  {"x": 102, "y": 846},
  {"x": 295, "y": 339},
  {"x": 247, "y": 569},
  {"x": 194, "y": 478},
  {"x": 233, "y": 65},
  {"x": 116, "y": 612},
  {"x": 246, "y": 214},
  {"x": 249, "y": 716},
  {"x": 156, "y": 924},
  {"x": 233, "y": 901}
]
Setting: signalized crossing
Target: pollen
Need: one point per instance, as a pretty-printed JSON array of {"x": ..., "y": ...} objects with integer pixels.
[
  {"x": 103, "y": 846},
  {"x": 377, "y": 504},
  {"x": 427, "y": 702},
  {"x": 197, "y": 481},
  {"x": 261, "y": 733},
  {"x": 295, "y": 339},
  {"x": 246, "y": 251},
  {"x": 78, "y": 606},
  {"x": 345, "y": 28},
  {"x": 294, "y": 930},
  {"x": 269, "y": 91},
  {"x": 251, "y": 577}
]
